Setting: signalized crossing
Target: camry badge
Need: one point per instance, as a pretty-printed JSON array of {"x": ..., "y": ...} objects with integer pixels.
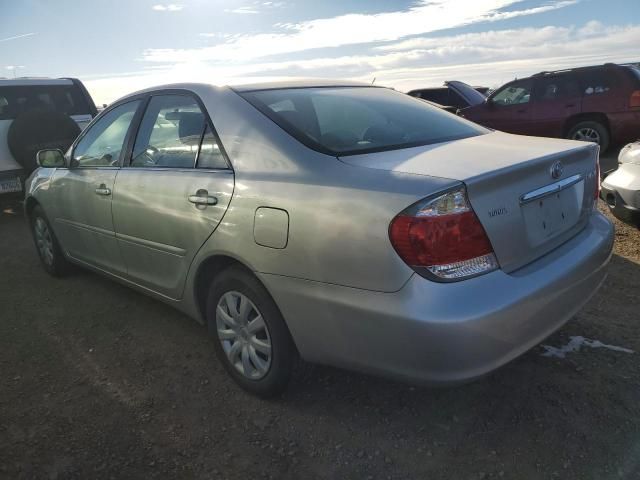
[{"x": 556, "y": 170}]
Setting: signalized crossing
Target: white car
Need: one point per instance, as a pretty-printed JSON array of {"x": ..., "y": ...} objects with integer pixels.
[
  {"x": 621, "y": 189},
  {"x": 37, "y": 113}
]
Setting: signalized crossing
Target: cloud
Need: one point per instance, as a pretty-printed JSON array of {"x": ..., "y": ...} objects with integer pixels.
[
  {"x": 255, "y": 7},
  {"x": 170, "y": 7},
  {"x": 490, "y": 58},
  {"x": 243, "y": 10},
  {"x": 16, "y": 37},
  {"x": 425, "y": 17}
]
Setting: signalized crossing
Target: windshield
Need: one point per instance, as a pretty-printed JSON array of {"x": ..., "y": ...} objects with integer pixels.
[{"x": 351, "y": 120}]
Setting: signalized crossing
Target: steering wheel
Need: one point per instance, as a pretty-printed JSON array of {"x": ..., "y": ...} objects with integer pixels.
[{"x": 148, "y": 155}]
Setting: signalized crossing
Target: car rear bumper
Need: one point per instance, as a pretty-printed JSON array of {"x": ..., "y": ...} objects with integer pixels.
[
  {"x": 435, "y": 333},
  {"x": 621, "y": 192}
]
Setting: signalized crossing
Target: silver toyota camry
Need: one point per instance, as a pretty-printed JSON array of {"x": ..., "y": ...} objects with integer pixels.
[{"x": 336, "y": 223}]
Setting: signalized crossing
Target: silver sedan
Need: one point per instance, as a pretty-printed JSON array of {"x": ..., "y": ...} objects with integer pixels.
[{"x": 336, "y": 223}]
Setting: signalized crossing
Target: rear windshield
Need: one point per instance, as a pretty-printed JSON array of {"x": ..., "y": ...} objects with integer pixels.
[
  {"x": 352, "y": 120},
  {"x": 68, "y": 99}
]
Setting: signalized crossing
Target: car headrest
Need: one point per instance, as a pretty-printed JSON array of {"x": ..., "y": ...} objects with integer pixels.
[{"x": 190, "y": 127}]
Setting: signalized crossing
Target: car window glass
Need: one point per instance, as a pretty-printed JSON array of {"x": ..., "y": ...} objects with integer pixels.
[
  {"x": 350, "y": 120},
  {"x": 102, "y": 144},
  {"x": 170, "y": 133},
  {"x": 513, "y": 94},
  {"x": 210, "y": 155},
  {"x": 595, "y": 82},
  {"x": 437, "y": 95},
  {"x": 551, "y": 88},
  {"x": 343, "y": 118},
  {"x": 68, "y": 99}
]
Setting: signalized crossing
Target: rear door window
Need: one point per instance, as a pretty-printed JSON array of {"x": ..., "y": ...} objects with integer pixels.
[
  {"x": 556, "y": 87},
  {"x": 170, "y": 133},
  {"x": 596, "y": 82},
  {"x": 174, "y": 134},
  {"x": 68, "y": 99}
]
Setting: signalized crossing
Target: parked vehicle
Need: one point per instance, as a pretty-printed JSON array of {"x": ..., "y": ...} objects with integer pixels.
[
  {"x": 598, "y": 104},
  {"x": 35, "y": 114},
  {"x": 451, "y": 95},
  {"x": 621, "y": 189},
  {"x": 347, "y": 224},
  {"x": 446, "y": 108}
]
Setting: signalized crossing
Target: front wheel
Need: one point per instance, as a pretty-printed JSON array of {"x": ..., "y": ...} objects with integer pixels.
[
  {"x": 590, "y": 131},
  {"x": 47, "y": 245},
  {"x": 251, "y": 338}
]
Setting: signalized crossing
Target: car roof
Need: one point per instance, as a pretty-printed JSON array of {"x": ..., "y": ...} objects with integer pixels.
[
  {"x": 301, "y": 83},
  {"x": 580, "y": 69},
  {"x": 30, "y": 81}
]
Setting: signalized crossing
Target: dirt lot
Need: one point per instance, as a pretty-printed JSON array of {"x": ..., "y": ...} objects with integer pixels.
[{"x": 98, "y": 381}]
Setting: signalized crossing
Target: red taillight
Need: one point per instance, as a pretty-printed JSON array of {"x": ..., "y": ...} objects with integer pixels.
[
  {"x": 444, "y": 236},
  {"x": 634, "y": 100}
]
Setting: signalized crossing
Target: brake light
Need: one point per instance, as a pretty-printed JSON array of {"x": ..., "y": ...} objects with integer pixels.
[
  {"x": 634, "y": 101},
  {"x": 443, "y": 238}
]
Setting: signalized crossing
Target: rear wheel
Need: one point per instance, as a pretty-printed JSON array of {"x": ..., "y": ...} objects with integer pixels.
[
  {"x": 251, "y": 338},
  {"x": 47, "y": 245},
  {"x": 590, "y": 131}
]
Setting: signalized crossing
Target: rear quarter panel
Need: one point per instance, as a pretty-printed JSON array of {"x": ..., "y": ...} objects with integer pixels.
[{"x": 338, "y": 214}]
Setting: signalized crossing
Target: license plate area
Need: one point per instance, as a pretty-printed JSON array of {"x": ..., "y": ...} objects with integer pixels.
[
  {"x": 10, "y": 185},
  {"x": 553, "y": 213}
]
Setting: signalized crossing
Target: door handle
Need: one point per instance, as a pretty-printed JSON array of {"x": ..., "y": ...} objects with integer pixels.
[
  {"x": 521, "y": 111},
  {"x": 569, "y": 105},
  {"x": 103, "y": 190},
  {"x": 203, "y": 198}
]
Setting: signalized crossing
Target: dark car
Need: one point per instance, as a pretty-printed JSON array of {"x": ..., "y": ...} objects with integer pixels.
[
  {"x": 600, "y": 104},
  {"x": 451, "y": 95}
]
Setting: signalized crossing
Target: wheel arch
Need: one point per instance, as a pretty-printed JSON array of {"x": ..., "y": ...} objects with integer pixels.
[
  {"x": 586, "y": 117},
  {"x": 29, "y": 204},
  {"x": 209, "y": 269}
]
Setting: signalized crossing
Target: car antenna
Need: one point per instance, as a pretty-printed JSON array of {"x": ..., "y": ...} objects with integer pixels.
[{"x": 373, "y": 81}]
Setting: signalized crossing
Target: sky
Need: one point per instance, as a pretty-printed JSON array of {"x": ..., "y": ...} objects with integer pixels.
[{"x": 118, "y": 46}]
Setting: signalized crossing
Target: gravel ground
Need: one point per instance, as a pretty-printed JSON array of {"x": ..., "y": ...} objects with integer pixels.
[{"x": 99, "y": 381}]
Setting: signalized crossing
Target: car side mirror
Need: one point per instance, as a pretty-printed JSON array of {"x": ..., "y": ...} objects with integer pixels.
[{"x": 52, "y": 158}]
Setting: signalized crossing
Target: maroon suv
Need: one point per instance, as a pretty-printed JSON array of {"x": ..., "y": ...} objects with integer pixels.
[{"x": 599, "y": 104}]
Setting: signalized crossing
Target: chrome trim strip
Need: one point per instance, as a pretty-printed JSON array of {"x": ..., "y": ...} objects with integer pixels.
[{"x": 549, "y": 189}]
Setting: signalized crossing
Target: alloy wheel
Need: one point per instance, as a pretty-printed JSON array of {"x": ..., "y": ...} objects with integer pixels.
[
  {"x": 244, "y": 335},
  {"x": 44, "y": 241},
  {"x": 587, "y": 135}
]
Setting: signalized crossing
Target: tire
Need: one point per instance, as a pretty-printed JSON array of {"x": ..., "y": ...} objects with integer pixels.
[
  {"x": 590, "y": 131},
  {"x": 36, "y": 130},
  {"x": 235, "y": 335},
  {"x": 47, "y": 246}
]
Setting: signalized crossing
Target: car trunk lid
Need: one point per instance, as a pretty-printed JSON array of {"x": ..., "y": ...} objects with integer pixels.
[{"x": 530, "y": 194}]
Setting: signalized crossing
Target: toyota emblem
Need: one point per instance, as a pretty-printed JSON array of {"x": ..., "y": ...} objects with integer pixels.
[{"x": 556, "y": 170}]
